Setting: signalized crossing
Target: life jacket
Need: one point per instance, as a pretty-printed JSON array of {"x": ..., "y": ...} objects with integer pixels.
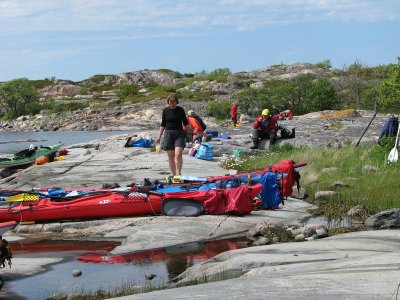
[
  {"x": 41, "y": 160},
  {"x": 203, "y": 125},
  {"x": 195, "y": 125},
  {"x": 268, "y": 124}
]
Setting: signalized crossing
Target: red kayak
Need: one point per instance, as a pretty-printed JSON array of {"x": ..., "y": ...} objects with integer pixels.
[
  {"x": 98, "y": 205},
  {"x": 109, "y": 204}
]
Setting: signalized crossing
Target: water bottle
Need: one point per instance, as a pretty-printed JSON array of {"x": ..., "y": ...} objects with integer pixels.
[{"x": 203, "y": 139}]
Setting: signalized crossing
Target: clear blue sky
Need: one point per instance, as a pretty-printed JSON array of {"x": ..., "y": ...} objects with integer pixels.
[{"x": 76, "y": 39}]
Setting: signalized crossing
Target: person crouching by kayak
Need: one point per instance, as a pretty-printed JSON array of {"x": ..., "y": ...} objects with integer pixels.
[
  {"x": 173, "y": 118},
  {"x": 265, "y": 126},
  {"x": 196, "y": 131}
]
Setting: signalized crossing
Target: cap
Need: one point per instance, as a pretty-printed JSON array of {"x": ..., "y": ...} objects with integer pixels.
[
  {"x": 190, "y": 112},
  {"x": 265, "y": 112}
]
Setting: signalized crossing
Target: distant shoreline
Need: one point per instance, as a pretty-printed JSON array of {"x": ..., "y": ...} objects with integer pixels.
[{"x": 23, "y": 141}]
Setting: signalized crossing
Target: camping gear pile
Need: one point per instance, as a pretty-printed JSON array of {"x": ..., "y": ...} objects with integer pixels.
[
  {"x": 230, "y": 194},
  {"x": 391, "y": 129},
  {"x": 33, "y": 154}
]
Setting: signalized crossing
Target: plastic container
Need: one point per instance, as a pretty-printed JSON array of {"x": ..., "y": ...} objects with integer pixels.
[{"x": 196, "y": 145}]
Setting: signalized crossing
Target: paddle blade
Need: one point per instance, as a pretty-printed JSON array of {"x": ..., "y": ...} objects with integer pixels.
[
  {"x": 23, "y": 197},
  {"x": 393, "y": 155}
]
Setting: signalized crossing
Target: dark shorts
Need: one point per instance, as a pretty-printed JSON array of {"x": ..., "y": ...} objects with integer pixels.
[{"x": 173, "y": 138}]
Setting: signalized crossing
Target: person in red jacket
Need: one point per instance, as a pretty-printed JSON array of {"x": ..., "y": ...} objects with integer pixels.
[
  {"x": 266, "y": 126},
  {"x": 234, "y": 113}
]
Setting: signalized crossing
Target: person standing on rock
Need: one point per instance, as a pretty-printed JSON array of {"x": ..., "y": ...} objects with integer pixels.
[
  {"x": 265, "y": 126},
  {"x": 173, "y": 118},
  {"x": 234, "y": 113}
]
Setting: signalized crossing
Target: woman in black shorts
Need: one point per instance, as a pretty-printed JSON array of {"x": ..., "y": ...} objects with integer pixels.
[{"x": 172, "y": 123}]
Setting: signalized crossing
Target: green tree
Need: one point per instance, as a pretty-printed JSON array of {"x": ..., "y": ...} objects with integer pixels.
[
  {"x": 389, "y": 89},
  {"x": 320, "y": 95},
  {"x": 282, "y": 93},
  {"x": 253, "y": 100},
  {"x": 18, "y": 97},
  {"x": 298, "y": 91}
]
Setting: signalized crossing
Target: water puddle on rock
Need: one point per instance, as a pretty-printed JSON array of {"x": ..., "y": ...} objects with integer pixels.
[
  {"x": 332, "y": 223},
  {"x": 105, "y": 271}
]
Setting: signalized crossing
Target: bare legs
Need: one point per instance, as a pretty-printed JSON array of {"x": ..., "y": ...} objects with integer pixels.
[{"x": 175, "y": 160}]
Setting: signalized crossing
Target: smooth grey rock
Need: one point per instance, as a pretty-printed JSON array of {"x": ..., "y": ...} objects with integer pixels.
[
  {"x": 325, "y": 194},
  {"x": 322, "y": 233},
  {"x": 299, "y": 238},
  {"x": 329, "y": 170},
  {"x": 76, "y": 273},
  {"x": 299, "y": 194},
  {"x": 339, "y": 184},
  {"x": 149, "y": 276},
  {"x": 370, "y": 169},
  {"x": 356, "y": 265},
  {"x": 262, "y": 241},
  {"x": 358, "y": 212},
  {"x": 309, "y": 231},
  {"x": 385, "y": 219}
]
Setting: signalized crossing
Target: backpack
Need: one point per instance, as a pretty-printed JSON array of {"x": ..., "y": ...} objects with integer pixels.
[
  {"x": 203, "y": 125},
  {"x": 270, "y": 194},
  {"x": 389, "y": 128}
]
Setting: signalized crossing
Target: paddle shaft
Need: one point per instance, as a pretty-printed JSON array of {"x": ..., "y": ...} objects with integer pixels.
[
  {"x": 376, "y": 112},
  {"x": 397, "y": 138}
]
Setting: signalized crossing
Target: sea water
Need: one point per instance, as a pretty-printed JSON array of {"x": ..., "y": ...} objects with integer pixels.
[{"x": 12, "y": 142}]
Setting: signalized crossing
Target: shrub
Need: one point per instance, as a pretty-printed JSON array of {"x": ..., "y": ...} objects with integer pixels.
[
  {"x": 219, "y": 109},
  {"x": 175, "y": 73},
  {"x": 70, "y": 106},
  {"x": 320, "y": 95},
  {"x": 196, "y": 96},
  {"x": 97, "y": 78},
  {"x": 39, "y": 84},
  {"x": 219, "y": 75},
  {"x": 126, "y": 91},
  {"x": 325, "y": 64}
]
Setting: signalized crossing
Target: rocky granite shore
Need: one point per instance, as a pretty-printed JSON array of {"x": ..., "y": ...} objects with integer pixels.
[{"x": 334, "y": 268}]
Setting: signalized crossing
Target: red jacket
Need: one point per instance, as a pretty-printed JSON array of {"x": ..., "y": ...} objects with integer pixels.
[
  {"x": 234, "y": 109},
  {"x": 270, "y": 123},
  {"x": 195, "y": 125}
]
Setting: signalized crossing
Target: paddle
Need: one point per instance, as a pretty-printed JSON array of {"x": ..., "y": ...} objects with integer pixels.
[
  {"x": 373, "y": 117},
  {"x": 36, "y": 196},
  {"x": 394, "y": 153},
  {"x": 23, "y": 197}
]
